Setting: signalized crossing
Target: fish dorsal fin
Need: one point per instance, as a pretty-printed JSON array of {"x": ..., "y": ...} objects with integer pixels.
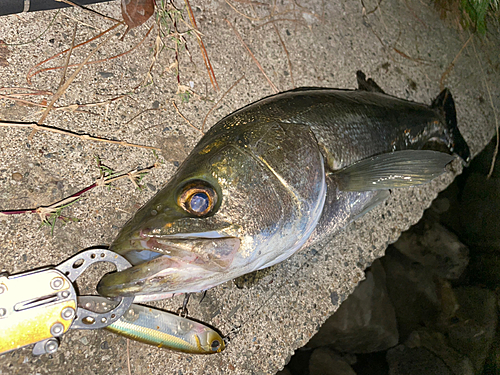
[
  {"x": 367, "y": 84},
  {"x": 393, "y": 170}
]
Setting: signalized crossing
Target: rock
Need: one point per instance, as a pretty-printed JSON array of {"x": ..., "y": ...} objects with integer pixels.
[
  {"x": 434, "y": 246},
  {"x": 479, "y": 213},
  {"x": 412, "y": 290},
  {"x": 492, "y": 364},
  {"x": 365, "y": 322},
  {"x": 415, "y": 361},
  {"x": 473, "y": 333},
  {"x": 285, "y": 371},
  {"x": 435, "y": 342},
  {"x": 484, "y": 269},
  {"x": 325, "y": 361}
]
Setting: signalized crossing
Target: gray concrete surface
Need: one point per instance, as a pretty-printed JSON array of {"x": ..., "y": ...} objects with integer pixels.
[{"x": 404, "y": 46}]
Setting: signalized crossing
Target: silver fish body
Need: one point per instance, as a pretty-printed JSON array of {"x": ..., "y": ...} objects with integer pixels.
[{"x": 253, "y": 190}]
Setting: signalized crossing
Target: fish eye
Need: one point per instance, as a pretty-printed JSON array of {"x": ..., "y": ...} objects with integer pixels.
[
  {"x": 215, "y": 345},
  {"x": 198, "y": 199}
]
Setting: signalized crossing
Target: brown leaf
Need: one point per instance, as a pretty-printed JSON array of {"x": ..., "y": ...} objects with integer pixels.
[
  {"x": 4, "y": 53},
  {"x": 136, "y": 12}
]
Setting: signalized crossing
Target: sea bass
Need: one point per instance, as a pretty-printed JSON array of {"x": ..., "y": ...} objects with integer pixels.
[{"x": 288, "y": 169}]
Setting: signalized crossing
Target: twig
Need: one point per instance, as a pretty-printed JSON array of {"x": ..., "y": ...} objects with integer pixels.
[
  {"x": 33, "y": 91},
  {"x": 140, "y": 113},
  {"x": 30, "y": 74},
  {"x": 216, "y": 104},
  {"x": 28, "y": 78},
  {"x": 107, "y": 177},
  {"x": 63, "y": 88},
  {"x": 243, "y": 15},
  {"x": 286, "y": 52},
  {"x": 204, "y": 53},
  {"x": 89, "y": 10},
  {"x": 274, "y": 88},
  {"x": 32, "y": 104},
  {"x": 39, "y": 36},
  {"x": 128, "y": 357},
  {"x": 71, "y": 107},
  {"x": 68, "y": 56},
  {"x": 495, "y": 152},
  {"x": 85, "y": 137},
  {"x": 452, "y": 64},
  {"x": 185, "y": 119},
  {"x": 365, "y": 13}
]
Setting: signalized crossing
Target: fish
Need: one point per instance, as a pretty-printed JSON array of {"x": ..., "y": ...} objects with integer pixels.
[
  {"x": 279, "y": 174},
  {"x": 159, "y": 328}
]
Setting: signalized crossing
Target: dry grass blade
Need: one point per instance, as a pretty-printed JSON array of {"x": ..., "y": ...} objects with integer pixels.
[
  {"x": 106, "y": 59},
  {"x": 88, "y": 10},
  {"x": 128, "y": 357},
  {"x": 85, "y": 137},
  {"x": 140, "y": 113},
  {"x": 204, "y": 53},
  {"x": 31, "y": 73},
  {"x": 495, "y": 152},
  {"x": 30, "y": 90},
  {"x": 49, "y": 214},
  {"x": 185, "y": 119},
  {"x": 68, "y": 56},
  {"x": 452, "y": 64},
  {"x": 286, "y": 52},
  {"x": 101, "y": 60},
  {"x": 64, "y": 87},
  {"x": 33, "y": 104},
  {"x": 273, "y": 87}
]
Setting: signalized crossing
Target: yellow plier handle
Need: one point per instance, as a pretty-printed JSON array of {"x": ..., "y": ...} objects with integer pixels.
[{"x": 39, "y": 306}]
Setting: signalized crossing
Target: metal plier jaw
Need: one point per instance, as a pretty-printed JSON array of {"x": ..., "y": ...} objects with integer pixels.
[{"x": 39, "y": 306}]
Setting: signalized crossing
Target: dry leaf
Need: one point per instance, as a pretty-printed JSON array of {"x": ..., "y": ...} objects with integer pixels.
[
  {"x": 4, "y": 53},
  {"x": 136, "y": 12}
]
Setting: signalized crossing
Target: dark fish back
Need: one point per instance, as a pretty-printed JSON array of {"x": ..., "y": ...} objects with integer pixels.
[{"x": 351, "y": 125}]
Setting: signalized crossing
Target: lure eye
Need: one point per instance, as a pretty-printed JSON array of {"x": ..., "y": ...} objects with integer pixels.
[
  {"x": 215, "y": 345},
  {"x": 198, "y": 199}
]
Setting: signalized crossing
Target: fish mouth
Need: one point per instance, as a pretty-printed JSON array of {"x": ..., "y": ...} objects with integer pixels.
[{"x": 177, "y": 263}]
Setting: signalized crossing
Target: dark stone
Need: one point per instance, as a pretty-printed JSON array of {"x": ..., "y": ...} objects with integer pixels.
[
  {"x": 479, "y": 213},
  {"x": 435, "y": 342},
  {"x": 365, "y": 322},
  {"x": 106, "y": 74},
  {"x": 415, "y": 361},
  {"x": 432, "y": 245},
  {"x": 299, "y": 363},
  {"x": 484, "y": 269},
  {"x": 473, "y": 332},
  {"x": 412, "y": 290},
  {"x": 325, "y": 361},
  {"x": 104, "y": 345},
  {"x": 371, "y": 364},
  {"x": 492, "y": 364},
  {"x": 285, "y": 371}
]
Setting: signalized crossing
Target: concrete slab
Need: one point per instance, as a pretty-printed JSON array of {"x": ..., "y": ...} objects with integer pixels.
[{"x": 404, "y": 46}]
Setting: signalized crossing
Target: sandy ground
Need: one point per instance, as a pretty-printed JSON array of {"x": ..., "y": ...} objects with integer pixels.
[{"x": 404, "y": 46}]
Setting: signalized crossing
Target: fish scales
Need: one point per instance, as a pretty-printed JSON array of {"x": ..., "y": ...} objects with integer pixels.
[{"x": 289, "y": 169}]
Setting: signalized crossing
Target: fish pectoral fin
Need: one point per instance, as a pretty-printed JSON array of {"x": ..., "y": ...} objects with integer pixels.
[
  {"x": 393, "y": 170},
  {"x": 379, "y": 197}
]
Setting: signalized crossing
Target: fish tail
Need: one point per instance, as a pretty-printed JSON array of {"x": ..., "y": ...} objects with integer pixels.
[{"x": 445, "y": 104}]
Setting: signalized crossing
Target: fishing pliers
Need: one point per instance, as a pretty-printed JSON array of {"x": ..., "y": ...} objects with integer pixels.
[{"x": 39, "y": 306}]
